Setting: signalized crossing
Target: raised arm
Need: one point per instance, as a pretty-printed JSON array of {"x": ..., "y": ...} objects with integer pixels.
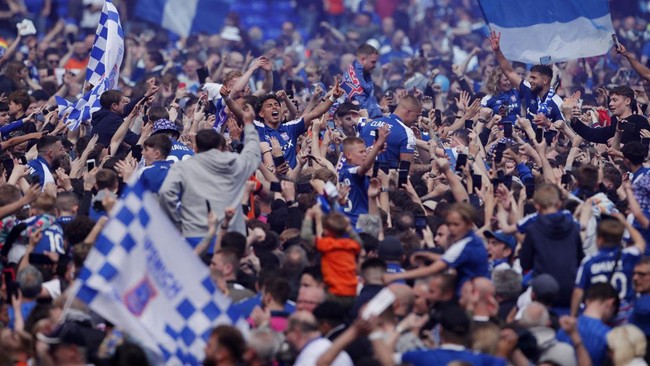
[
  {"x": 643, "y": 71},
  {"x": 323, "y": 107},
  {"x": 504, "y": 64}
]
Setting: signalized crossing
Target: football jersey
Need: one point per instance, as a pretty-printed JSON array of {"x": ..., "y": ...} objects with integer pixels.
[
  {"x": 599, "y": 267},
  {"x": 286, "y": 134},
  {"x": 509, "y": 100},
  {"x": 358, "y": 196},
  {"x": 400, "y": 140},
  {"x": 179, "y": 152}
]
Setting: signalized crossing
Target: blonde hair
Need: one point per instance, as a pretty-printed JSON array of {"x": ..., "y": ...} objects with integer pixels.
[
  {"x": 626, "y": 342},
  {"x": 492, "y": 84}
]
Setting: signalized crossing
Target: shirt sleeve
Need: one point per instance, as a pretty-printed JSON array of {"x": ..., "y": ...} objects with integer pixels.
[
  {"x": 407, "y": 145},
  {"x": 295, "y": 128}
]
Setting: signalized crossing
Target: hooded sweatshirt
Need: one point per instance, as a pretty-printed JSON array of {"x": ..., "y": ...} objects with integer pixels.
[
  {"x": 215, "y": 176},
  {"x": 105, "y": 123},
  {"x": 553, "y": 245}
]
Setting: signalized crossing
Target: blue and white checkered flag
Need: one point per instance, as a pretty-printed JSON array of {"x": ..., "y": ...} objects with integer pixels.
[
  {"x": 103, "y": 71},
  {"x": 143, "y": 277},
  {"x": 108, "y": 49}
]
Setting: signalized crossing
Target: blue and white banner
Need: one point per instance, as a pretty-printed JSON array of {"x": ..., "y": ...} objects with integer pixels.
[
  {"x": 108, "y": 49},
  {"x": 143, "y": 277},
  {"x": 560, "y": 29},
  {"x": 184, "y": 17},
  {"x": 103, "y": 71}
]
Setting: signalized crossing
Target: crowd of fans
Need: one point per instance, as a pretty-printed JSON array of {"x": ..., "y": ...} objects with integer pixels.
[{"x": 374, "y": 145}]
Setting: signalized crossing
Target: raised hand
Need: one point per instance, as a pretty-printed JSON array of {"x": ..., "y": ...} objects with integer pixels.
[{"x": 495, "y": 41}]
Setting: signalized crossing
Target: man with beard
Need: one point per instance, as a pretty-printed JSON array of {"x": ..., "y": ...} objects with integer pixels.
[
  {"x": 357, "y": 80},
  {"x": 226, "y": 347},
  {"x": 536, "y": 92}
]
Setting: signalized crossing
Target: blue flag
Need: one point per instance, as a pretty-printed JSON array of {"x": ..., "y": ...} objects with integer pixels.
[
  {"x": 184, "y": 17},
  {"x": 536, "y": 32},
  {"x": 143, "y": 277}
]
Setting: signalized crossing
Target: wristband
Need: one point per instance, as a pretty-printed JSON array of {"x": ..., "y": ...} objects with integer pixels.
[
  {"x": 376, "y": 335},
  {"x": 385, "y": 189},
  {"x": 332, "y": 99}
]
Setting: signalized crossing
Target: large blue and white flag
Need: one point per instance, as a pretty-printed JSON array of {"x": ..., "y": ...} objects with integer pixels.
[
  {"x": 532, "y": 30},
  {"x": 184, "y": 17},
  {"x": 143, "y": 277},
  {"x": 103, "y": 71},
  {"x": 108, "y": 49}
]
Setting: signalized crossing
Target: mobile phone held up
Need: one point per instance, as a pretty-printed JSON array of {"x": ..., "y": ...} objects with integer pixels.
[
  {"x": 403, "y": 173},
  {"x": 90, "y": 164}
]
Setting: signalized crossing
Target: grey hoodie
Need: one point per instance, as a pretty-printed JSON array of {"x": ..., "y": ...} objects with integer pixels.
[{"x": 215, "y": 176}]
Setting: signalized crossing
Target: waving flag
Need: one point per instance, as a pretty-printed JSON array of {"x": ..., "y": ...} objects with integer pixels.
[
  {"x": 184, "y": 17},
  {"x": 103, "y": 71},
  {"x": 108, "y": 50},
  {"x": 534, "y": 31},
  {"x": 143, "y": 277}
]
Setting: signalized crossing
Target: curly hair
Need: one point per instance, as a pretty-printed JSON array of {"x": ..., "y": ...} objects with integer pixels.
[{"x": 492, "y": 85}]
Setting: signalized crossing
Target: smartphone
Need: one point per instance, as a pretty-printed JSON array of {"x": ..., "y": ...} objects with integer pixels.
[
  {"x": 566, "y": 178},
  {"x": 507, "y": 129},
  {"x": 438, "y": 115},
  {"x": 375, "y": 169},
  {"x": 288, "y": 88},
  {"x": 278, "y": 160},
  {"x": 23, "y": 159},
  {"x": 495, "y": 183},
  {"x": 39, "y": 259},
  {"x": 331, "y": 125},
  {"x": 90, "y": 164},
  {"x": 420, "y": 222},
  {"x": 9, "y": 275},
  {"x": 507, "y": 181},
  {"x": 276, "y": 187},
  {"x": 477, "y": 181},
  {"x": 549, "y": 136},
  {"x": 498, "y": 155},
  {"x": 403, "y": 173},
  {"x": 461, "y": 161},
  {"x": 539, "y": 135},
  {"x": 207, "y": 203},
  {"x": 304, "y": 188},
  {"x": 202, "y": 73},
  {"x": 70, "y": 37},
  {"x": 616, "y": 43},
  {"x": 530, "y": 190},
  {"x": 469, "y": 124},
  {"x": 645, "y": 141}
]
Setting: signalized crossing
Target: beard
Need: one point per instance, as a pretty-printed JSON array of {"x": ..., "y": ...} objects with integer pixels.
[{"x": 536, "y": 90}]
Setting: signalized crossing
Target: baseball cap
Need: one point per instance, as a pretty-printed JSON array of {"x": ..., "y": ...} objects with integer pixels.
[
  {"x": 390, "y": 248},
  {"x": 454, "y": 319},
  {"x": 545, "y": 288},
  {"x": 500, "y": 236},
  {"x": 164, "y": 125}
]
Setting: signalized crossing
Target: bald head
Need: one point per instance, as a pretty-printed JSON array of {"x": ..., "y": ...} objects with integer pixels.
[
  {"x": 534, "y": 315},
  {"x": 408, "y": 109},
  {"x": 405, "y": 298}
]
